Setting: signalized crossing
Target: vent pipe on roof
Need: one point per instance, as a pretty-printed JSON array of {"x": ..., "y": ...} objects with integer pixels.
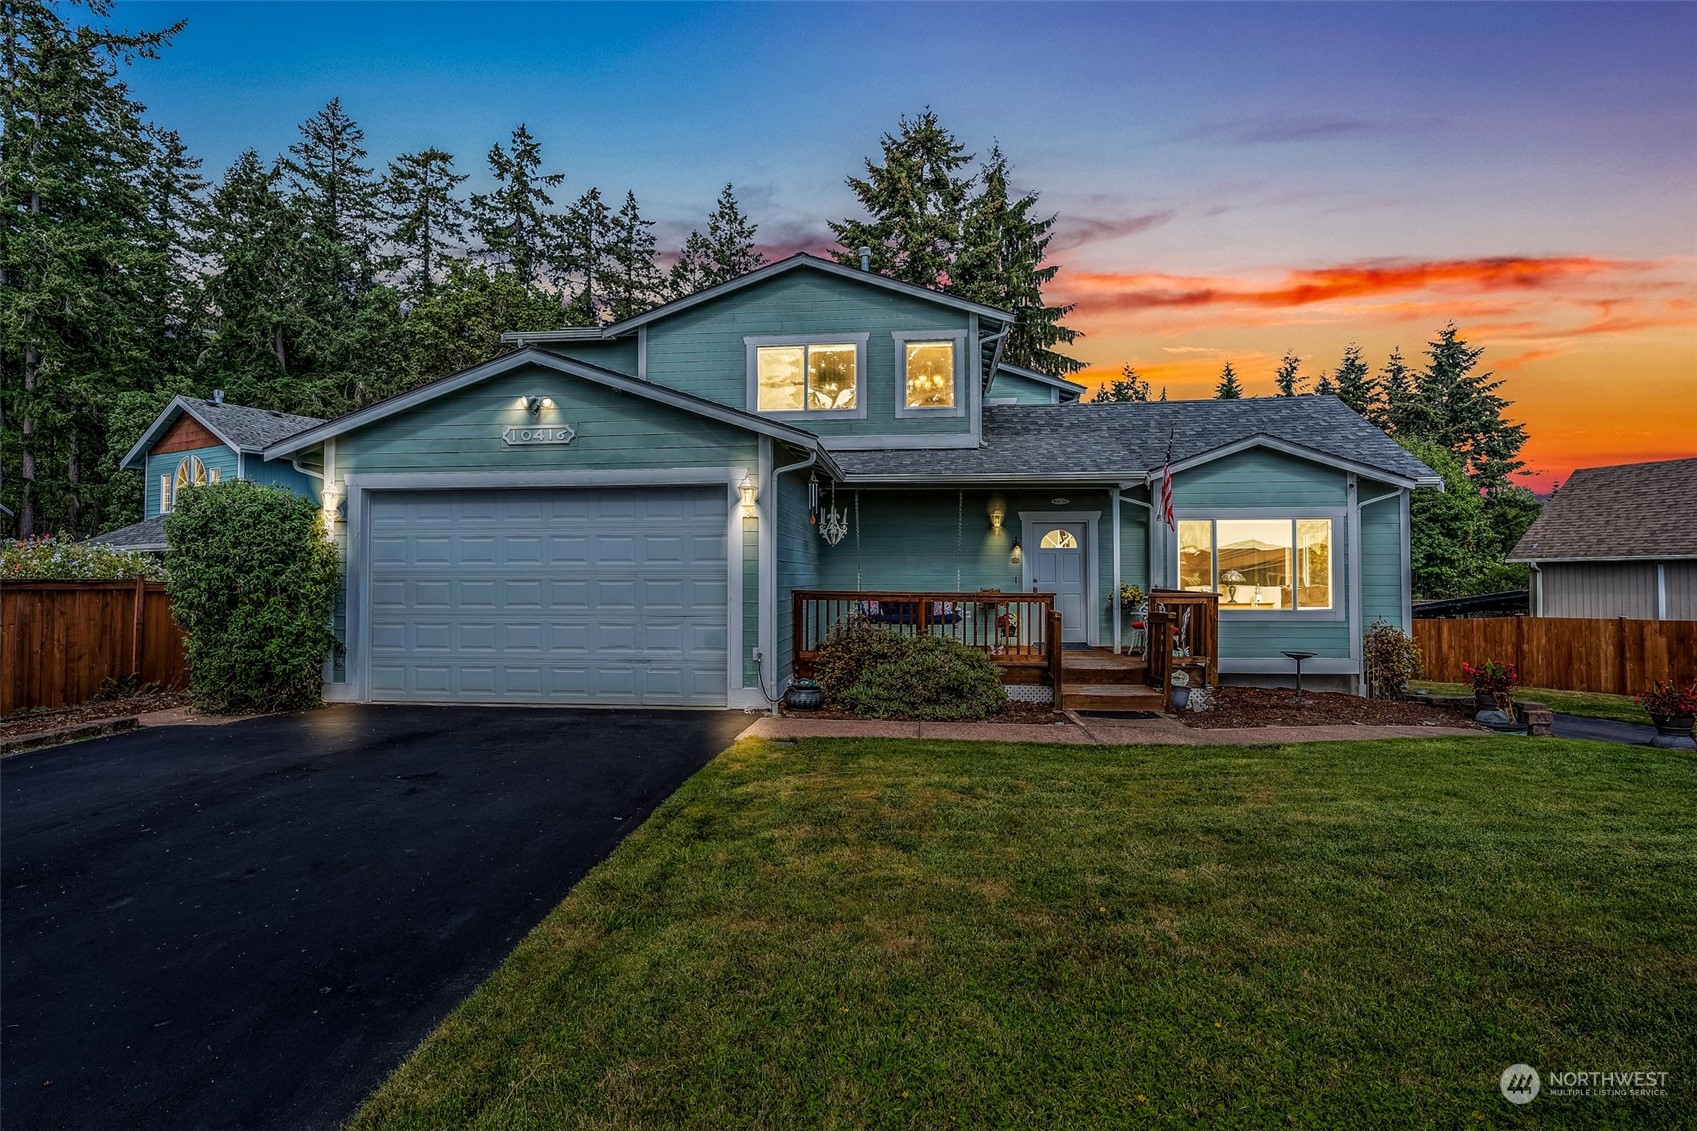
[
  {"x": 217, "y": 396},
  {"x": 866, "y": 259}
]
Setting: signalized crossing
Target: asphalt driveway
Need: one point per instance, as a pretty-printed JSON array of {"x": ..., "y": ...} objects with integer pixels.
[{"x": 251, "y": 925}]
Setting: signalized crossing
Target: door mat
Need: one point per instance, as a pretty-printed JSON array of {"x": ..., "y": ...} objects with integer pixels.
[
  {"x": 1119, "y": 714},
  {"x": 1078, "y": 647}
]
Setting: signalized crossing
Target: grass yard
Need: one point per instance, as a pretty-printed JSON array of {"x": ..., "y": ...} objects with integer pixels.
[
  {"x": 1596, "y": 704},
  {"x": 921, "y": 934}
]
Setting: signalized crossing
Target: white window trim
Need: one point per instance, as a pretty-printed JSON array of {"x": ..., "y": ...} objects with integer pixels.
[
  {"x": 1339, "y": 518},
  {"x": 753, "y": 345},
  {"x": 902, "y": 339}
]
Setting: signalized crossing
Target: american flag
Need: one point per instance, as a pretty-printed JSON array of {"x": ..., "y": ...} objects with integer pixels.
[{"x": 1167, "y": 487}]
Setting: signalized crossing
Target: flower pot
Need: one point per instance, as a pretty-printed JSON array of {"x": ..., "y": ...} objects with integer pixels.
[
  {"x": 804, "y": 695},
  {"x": 1674, "y": 725},
  {"x": 1484, "y": 701}
]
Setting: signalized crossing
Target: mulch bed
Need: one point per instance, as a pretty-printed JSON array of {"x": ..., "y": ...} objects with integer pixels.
[
  {"x": 1014, "y": 712},
  {"x": 1272, "y": 707},
  {"x": 32, "y": 721}
]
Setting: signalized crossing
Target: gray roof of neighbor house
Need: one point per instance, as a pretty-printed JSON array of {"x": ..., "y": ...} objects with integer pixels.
[
  {"x": 149, "y": 535},
  {"x": 1104, "y": 441},
  {"x": 244, "y": 429},
  {"x": 1631, "y": 510}
]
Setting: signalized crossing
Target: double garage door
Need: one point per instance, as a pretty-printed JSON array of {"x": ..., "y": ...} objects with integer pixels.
[{"x": 549, "y": 596}]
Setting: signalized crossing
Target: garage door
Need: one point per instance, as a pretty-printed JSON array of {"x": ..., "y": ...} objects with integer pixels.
[{"x": 557, "y": 596}]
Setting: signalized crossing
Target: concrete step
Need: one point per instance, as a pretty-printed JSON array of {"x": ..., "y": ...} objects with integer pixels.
[{"x": 1111, "y": 697}]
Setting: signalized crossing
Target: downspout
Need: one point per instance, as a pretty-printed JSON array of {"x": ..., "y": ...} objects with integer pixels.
[
  {"x": 995, "y": 357},
  {"x": 1537, "y": 594},
  {"x": 777, "y": 474}
]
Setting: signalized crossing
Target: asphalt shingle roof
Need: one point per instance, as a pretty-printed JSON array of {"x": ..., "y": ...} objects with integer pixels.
[
  {"x": 149, "y": 535},
  {"x": 1631, "y": 510},
  {"x": 1081, "y": 440},
  {"x": 251, "y": 429}
]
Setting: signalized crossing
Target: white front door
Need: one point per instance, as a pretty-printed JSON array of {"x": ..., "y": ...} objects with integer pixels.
[{"x": 1058, "y": 567}]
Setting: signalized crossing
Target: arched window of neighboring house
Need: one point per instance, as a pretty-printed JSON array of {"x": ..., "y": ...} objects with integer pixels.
[
  {"x": 191, "y": 472},
  {"x": 1059, "y": 540}
]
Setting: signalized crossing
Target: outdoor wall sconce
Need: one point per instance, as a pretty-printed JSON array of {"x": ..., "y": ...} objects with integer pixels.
[
  {"x": 997, "y": 514},
  {"x": 1017, "y": 556},
  {"x": 747, "y": 492},
  {"x": 535, "y": 405}
]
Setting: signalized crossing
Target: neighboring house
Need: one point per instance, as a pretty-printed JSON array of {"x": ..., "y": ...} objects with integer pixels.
[
  {"x": 193, "y": 442},
  {"x": 621, "y": 514},
  {"x": 1617, "y": 542}
]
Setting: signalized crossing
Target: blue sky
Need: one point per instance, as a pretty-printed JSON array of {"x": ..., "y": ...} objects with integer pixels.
[{"x": 1222, "y": 147}]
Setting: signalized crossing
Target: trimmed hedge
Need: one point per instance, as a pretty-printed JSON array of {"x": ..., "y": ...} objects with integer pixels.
[
  {"x": 881, "y": 674},
  {"x": 252, "y": 578}
]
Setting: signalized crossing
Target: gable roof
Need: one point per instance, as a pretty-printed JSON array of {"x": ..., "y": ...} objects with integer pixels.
[
  {"x": 1097, "y": 442},
  {"x": 635, "y": 386},
  {"x": 1060, "y": 383},
  {"x": 1630, "y": 510},
  {"x": 799, "y": 261},
  {"x": 239, "y": 427}
]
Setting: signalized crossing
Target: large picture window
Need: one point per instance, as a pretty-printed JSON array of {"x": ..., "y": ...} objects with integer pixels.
[
  {"x": 1258, "y": 564},
  {"x": 820, "y": 377}
]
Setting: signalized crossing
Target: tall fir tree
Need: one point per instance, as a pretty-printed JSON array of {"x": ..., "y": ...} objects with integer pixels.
[
  {"x": 1355, "y": 385},
  {"x": 428, "y": 219},
  {"x": 725, "y": 252},
  {"x": 1323, "y": 386},
  {"x": 79, "y": 265},
  {"x": 1288, "y": 379},
  {"x": 1228, "y": 388},
  {"x": 515, "y": 219},
  {"x": 1462, "y": 410},
  {"x": 1127, "y": 388},
  {"x": 583, "y": 258},
  {"x": 634, "y": 282},
  {"x": 338, "y": 195},
  {"x": 1398, "y": 410},
  {"x": 460, "y": 322},
  {"x": 1002, "y": 264},
  {"x": 917, "y": 200}
]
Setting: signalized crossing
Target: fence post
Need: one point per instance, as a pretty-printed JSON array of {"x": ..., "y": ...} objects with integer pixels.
[
  {"x": 138, "y": 628},
  {"x": 1057, "y": 663}
]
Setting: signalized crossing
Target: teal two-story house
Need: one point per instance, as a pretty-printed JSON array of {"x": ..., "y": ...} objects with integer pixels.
[{"x": 670, "y": 510}]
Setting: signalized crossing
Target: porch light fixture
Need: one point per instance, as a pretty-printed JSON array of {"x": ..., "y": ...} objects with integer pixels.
[
  {"x": 747, "y": 492},
  {"x": 997, "y": 514},
  {"x": 1017, "y": 556},
  {"x": 534, "y": 405}
]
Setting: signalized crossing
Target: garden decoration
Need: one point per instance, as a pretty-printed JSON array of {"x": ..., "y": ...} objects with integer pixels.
[
  {"x": 1671, "y": 709},
  {"x": 804, "y": 695}
]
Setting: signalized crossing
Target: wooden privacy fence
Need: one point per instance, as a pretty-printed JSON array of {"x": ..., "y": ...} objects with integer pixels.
[
  {"x": 1619, "y": 656},
  {"x": 60, "y": 639}
]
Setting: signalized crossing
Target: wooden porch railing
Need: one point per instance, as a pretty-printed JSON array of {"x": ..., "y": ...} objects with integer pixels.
[
  {"x": 1184, "y": 632},
  {"x": 1017, "y": 630}
]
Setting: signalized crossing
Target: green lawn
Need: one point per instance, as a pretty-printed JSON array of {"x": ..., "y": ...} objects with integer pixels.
[
  {"x": 925, "y": 934},
  {"x": 1593, "y": 703}
]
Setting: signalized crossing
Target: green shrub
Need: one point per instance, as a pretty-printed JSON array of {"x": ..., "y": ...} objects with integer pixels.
[
  {"x": 933, "y": 678},
  {"x": 60, "y": 559},
  {"x": 851, "y": 648},
  {"x": 252, "y": 578},
  {"x": 1392, "y": 658}
]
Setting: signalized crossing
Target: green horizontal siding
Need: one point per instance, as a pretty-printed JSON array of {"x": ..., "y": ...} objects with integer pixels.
[
  {"x": 1022, "y": 390},
  {"x": 701, "y": 350},
  {"x": 799, "y": 548},
  {"x": 217, "y": 456},
  {"x": 619, "y": 355},
  {"x": 1381, "y": 559},
  {"x": 281, "y": 473},
  {"x": 1260, "y": 477}
]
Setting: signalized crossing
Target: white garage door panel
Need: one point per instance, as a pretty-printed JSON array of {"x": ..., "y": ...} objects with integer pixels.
[{"x": 571, "y": 596}]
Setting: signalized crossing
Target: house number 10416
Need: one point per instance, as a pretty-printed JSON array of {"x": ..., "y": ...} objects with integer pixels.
[{"x": 538, "y": 434}]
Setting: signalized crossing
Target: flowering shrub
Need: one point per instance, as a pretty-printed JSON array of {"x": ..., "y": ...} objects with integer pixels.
[
  {"x": 1666, "y": 697},
  {"x": 1493, "y": 679},
  {"x": 60, "y": 559},
  {"x": 1392, "y": 658}
]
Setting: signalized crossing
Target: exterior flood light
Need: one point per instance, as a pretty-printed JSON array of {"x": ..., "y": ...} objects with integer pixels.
[
  {"x": 748, "y": 494},
  {"x": 534, "y": 405}
]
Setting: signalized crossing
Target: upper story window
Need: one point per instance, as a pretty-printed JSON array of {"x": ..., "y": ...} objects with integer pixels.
[
  {"x": 807, "y": 376},
  {"x": 191, "y": 472},
  {"x": 928, "y": 372},
  {"x": 1259, "y": 564}
]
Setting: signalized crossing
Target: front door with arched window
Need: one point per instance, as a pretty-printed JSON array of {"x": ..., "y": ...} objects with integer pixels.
[{"x": 1058, "y": 567}]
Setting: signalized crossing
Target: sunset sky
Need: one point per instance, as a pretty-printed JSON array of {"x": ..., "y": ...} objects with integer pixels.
[{"x": 1233, "y": 181}]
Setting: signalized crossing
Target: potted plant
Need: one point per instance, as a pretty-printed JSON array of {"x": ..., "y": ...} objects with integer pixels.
[
  {"x": 1493, "y": 686},
  {"x": 1671, "y": 707},
  {"x": 1131, "y": 597},
  {"x": 804, "y": 695}
]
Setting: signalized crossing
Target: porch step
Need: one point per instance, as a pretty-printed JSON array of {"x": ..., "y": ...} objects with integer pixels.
[
  {"x": 1111, "y": 697},
  {"x": 1098, "y": 665}
]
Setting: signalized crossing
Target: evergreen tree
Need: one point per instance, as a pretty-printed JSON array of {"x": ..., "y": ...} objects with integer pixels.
[
  {"x": 460, "y": 322},
  {"x": 1461, "y": 409},
  {"x": 724, "y": 253},
  {"x": 1163, "y": 392},
  {"x": 1355, "y": 385},
  {"x": 917, "y": 200},
  {"x": 1452, "y": 547},
  {"x": 1398, "y": 410},
  {"x": 428, "y": 218},
  {"x": 338, "y": 195},
  {"x": 514, "y": 220},
  {"x": 1228, "y": 389},
  {"x": 584, "y": 258},
  {"x": 1287, "y": 379},
  {"x": 633, "y": 281},
  {"x": 1323, "y": 387},
  {"x": 79, "y": 267},
  {"x": 1127, "y": 388},
  {"x": 1001, "y": 264}
]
